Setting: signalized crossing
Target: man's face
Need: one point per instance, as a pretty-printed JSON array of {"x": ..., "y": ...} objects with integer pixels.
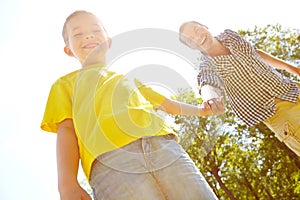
[{"x": 196, "y": 36}]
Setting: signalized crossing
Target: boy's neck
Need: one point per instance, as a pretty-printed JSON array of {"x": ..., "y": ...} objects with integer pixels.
[{"x": 99, "y": 60}]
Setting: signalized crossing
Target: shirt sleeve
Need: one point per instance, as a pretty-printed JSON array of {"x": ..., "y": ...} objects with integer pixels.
[
  {"x": 237, "y": 45},
  {"x": 209, "y": 92},
  {"x": 208, "y": 75},
  {"x": 58, "y": 107},
  {"x": 155, "y": 98}
]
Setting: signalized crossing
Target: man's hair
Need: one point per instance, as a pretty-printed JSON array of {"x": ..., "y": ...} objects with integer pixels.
[{"x": 64, "y": 31}]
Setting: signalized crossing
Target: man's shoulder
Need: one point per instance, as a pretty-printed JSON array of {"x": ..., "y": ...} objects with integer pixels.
[{"x": 228, "y": 33}]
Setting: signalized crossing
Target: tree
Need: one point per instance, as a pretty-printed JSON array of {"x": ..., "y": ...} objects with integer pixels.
[{"x": 241, "y": 162}]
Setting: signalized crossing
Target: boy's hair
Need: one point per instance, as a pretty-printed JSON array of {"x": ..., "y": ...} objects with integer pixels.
[
  {"x": 75, "y": 13},
  {"x": 182, "y": 27}
]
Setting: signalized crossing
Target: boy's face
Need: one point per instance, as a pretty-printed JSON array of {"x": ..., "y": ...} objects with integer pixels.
[
  {"x": 85, "y": 33},
  {"x": 196, "y": 36}
]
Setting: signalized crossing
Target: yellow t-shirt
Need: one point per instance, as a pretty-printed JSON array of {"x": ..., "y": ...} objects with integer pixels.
[{"x": 108, "y": 111}]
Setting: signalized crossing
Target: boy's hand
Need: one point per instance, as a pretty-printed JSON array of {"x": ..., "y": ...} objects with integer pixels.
[
  {"x": 74, "y": 193},
  {"x": 205, "y": 110}
]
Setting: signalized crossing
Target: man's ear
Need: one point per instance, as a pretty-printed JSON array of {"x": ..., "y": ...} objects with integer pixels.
[
  {"x": 109, "y": 42},
  {"x": 68, "y": 51}
]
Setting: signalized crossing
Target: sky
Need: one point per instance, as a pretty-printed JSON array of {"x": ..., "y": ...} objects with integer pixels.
[{"x": 32, "y": 58}]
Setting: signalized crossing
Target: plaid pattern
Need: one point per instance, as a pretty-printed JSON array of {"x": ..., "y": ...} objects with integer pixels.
[{"x": 250, "y": 84}]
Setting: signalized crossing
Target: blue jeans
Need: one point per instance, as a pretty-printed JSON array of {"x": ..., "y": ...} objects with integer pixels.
[{"x": 150, "y": 168}]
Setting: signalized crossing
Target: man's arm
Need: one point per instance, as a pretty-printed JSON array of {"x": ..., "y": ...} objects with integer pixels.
[
  {"x": 211, "y": 87},
  {"x": 212, "y": 96},
  {"x": 278, "y": 63},
  {"x": 68, "y": 162}
]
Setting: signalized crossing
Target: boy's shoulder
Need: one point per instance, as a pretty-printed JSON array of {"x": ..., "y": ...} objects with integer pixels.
[
  {"x": 67, "y": 78},
  {"x": 71, "y": 77}
]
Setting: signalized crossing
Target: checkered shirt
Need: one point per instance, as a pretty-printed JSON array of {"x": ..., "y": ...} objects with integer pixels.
[{"x": 250, "y": 84}]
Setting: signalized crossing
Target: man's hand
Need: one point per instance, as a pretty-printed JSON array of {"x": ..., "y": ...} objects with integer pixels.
[
  {"x": 212, "y": 98},
  {"x": 217, "y": 105}
]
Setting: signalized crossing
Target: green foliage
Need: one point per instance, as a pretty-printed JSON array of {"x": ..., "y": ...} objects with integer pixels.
[{"x": 241, "y": 162}]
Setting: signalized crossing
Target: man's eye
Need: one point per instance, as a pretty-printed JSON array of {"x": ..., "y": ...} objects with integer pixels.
[
  {"x": 78, "y": 35},
  {"x": 97, "y": 31}
]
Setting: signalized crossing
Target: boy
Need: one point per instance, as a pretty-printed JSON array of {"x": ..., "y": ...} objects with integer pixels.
[{"x": 126, "y": 151}]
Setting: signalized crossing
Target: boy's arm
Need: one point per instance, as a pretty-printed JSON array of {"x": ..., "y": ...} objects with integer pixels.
[
  {"x": 172, "y": 106},
  {"x": 278, "y": 63},
  {"x": 68, "y": 162},
  {"x": 180, "y": 108}
]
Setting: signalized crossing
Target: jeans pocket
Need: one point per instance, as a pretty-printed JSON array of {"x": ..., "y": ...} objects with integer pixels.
[
  {"x": 281, "y": 130},
  {"x": 294, "y": 131},
  {"x": 287, "y": 131}
]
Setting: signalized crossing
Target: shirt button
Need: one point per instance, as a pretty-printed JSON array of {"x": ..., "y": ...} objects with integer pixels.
[{"x": 266, "y": 107}]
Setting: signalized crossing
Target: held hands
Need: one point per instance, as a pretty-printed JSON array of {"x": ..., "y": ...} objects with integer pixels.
[{"x": 213, "y": 106}]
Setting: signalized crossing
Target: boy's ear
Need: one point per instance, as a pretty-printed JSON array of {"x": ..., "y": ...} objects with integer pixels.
[{"x": 68, "y": 51}]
